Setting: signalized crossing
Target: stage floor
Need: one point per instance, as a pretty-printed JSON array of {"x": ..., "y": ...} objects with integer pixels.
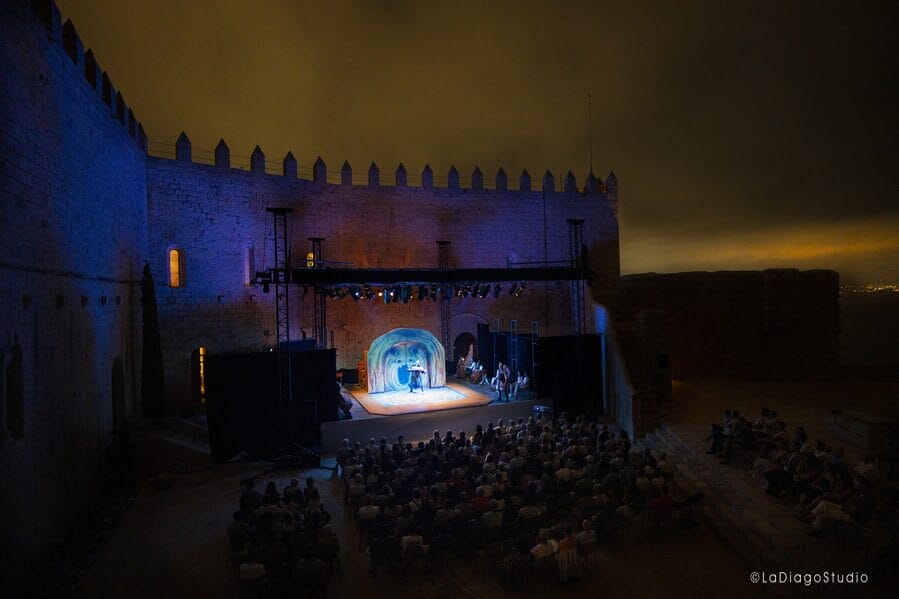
[{"x": 391, "y": 403}]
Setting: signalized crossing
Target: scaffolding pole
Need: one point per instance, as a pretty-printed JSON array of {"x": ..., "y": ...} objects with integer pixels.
[
  {"x": 281, "y": 281},
  {"x": 443, "y": 264},
  {"x": 513, "y": 346},
  {"x": 319, "y": 309},
  {"x": 575, "y": 253}
]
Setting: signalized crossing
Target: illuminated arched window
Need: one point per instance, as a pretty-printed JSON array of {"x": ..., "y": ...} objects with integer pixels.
[{"x": 176, "y": 267}]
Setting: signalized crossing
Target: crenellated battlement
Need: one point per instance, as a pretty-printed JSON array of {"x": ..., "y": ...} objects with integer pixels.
[
  {"x": 84, "y": 60},
  {"x": 318, "y": 172},
  {"x": 86, "y": 63},
  {"x": 90, "y": 201}
]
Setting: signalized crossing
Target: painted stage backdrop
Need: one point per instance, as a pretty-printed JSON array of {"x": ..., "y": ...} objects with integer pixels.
[{"x": 393, "y": 353}]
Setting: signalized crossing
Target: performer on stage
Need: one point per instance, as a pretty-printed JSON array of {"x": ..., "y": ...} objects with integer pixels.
[
  {"x": 460, "y": 368},
  {"x": 504, "y": 382},
  {"x": 415, "y": 376},
  {"x": 521, "y": 384}
]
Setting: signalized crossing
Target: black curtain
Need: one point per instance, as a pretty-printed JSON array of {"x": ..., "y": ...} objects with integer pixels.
[
  {"x": 569, "y": 369},
  {"x": 244, "y": 408}
]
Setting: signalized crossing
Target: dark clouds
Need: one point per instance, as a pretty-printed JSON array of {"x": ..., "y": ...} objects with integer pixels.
[{"x": 725, "y": 122}]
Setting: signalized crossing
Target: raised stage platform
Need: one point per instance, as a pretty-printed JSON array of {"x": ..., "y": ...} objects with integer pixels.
[
  {"x": 392, "y": 403},
  {"x": 420, "y": 425}
]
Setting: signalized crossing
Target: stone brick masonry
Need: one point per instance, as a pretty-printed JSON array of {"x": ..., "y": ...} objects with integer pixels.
[
  {"x": 214, "y": 214},
  {"x": 74, "y": 236},
  {"x": 82, "y": 208}
]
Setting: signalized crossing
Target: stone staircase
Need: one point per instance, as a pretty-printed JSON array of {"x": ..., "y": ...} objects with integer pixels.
[
  {"x": 647, "y": 413},
  {"x": 174, "y": 445},
  {"x": 761, "y": 530}
]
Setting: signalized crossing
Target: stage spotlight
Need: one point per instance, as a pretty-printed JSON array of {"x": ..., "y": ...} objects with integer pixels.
[
  {"x": 388, "y": 295},
  {"x": 331, "y": 293},
  {"x": 466, "y": 290},
  {"x": 514, "y": 289},
  {"x": 496, "y": 290},
  {"x": 341, "y": 292},
  {"x": 521, "y": 289},
  {"x": 356, "y": 294},
  {"x": 432, "y": 295},
  {"x": 367, "y": 291},
  {"x": 485, "y": 289}
]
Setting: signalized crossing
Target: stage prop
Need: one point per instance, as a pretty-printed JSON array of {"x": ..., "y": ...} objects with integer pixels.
[{"x": 393, "y": 355}]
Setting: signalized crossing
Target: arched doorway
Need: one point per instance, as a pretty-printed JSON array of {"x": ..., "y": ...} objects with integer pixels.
[
  {"x": 462, "y": 344},
  {"x": 118, "y": 394}
]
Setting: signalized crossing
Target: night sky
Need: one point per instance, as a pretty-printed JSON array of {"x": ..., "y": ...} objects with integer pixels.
[{"x": 743, "y": 134}]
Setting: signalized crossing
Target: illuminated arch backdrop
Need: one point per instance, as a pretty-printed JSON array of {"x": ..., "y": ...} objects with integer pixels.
[{"x": 392, "y": 353}]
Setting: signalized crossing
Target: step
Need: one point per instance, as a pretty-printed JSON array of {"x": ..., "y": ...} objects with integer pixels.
[
  {"x": 741, "y": 512},
  {"x": 158, "y": 452}
]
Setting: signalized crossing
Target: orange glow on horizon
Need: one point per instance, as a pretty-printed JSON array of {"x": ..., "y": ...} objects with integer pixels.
[{"x": 813, "y": 246}]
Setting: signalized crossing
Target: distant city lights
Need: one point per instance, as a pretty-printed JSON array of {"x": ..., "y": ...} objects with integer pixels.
[{"x": 869, "y": 288}]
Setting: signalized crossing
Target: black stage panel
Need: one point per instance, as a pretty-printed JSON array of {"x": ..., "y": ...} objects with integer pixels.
[
  {"x": 569, "y": 369},
  {"x": 244, "y": 409},
  {"x": 489, "y": 340}
]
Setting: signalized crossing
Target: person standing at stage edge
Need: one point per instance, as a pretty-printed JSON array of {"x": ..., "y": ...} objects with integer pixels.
[{"x": 502, "y": 382}]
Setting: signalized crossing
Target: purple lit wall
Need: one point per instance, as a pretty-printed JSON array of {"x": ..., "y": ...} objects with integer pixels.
[
  {"x": 73, "y": 242},
  {"x": 215, "y": 213}
]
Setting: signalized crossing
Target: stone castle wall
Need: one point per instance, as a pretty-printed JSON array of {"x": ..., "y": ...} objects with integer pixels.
[
  {"x": 74, "y": 235},
  {"x": 215, "y": 213},
  {"x": 82, "y": 207},
  {"x": 773, "y": 323}
]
